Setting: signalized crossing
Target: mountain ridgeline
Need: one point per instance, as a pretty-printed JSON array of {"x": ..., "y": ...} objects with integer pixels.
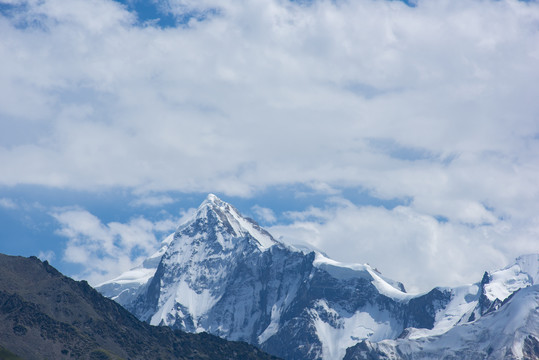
[
  {"x": 45, "y": 315},
  {"x": 222, "y": 273}
]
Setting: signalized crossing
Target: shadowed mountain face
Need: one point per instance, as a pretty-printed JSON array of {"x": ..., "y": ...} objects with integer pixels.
[{"x": 45, "y": 315}]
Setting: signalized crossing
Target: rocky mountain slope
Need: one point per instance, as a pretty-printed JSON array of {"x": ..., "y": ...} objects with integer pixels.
[
  {"x": 45, "y": 315},
  {"x": 222, "y": 273}
]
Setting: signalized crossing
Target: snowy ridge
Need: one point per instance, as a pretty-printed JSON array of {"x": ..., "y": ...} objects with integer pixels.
[
  {"x": 341, "y": 270},
  {"x": 470, "y": 302},
  {"x": 509, "y": 333},
  {"x": 124, "y": 288}
]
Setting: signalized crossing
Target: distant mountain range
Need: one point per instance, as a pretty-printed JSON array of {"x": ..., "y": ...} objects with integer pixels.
[
  {"x": 222, "y": 273},
  {"x": 45, "y": 315}
]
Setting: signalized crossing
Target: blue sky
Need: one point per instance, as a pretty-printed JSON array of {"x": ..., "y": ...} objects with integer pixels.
[{"x": 400, "y": 134}]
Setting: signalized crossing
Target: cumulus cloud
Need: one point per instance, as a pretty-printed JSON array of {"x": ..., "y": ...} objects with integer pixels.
[
  {"x": 271, "y": 93},
  {"x": 407, "y": 245},
  {"x": 105, "y": 250},
  {"x": 434, "y": 103}
]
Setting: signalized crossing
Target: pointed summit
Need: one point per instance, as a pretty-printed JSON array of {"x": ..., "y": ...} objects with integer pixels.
[
  {"x": 211, "y": 199},
  {"x": 217, "y": 216},
  {"x": 217, "y": 229},
  {"x": 197, "y": 265},
  {"x": 212, "y": 202}
]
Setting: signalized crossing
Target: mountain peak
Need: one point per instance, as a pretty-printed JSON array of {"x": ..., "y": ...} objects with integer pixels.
[
  {"x": 212, "y": 199},
  {"x": 221, "y": 273},
  {"x": 213, "y": 203},
  {"x": 228, "y": 221}
]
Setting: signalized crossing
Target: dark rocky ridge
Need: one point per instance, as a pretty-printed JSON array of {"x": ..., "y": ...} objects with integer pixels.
[{"x": 45, "y": 315}]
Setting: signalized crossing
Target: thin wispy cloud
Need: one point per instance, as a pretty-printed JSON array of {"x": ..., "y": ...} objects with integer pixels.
[
  {"x": 153, "y": 201},
  {"x": 8, "y": 203},
  {"x": 265, "y": 214},
  {"x": 48, "y": 255}
]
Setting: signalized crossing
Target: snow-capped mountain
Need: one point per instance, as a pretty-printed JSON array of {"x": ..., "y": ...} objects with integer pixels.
[
  {"x": 508, "y": 333},
  {"x": 222, "y": 273},
  {"x": 497, "y": 318}
]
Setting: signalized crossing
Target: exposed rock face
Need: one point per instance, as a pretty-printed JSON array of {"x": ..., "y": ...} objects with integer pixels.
[{"x": 45, "y": 315}]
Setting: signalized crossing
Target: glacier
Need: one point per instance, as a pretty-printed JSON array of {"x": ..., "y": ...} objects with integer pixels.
[{"x": 222, "y": 273}]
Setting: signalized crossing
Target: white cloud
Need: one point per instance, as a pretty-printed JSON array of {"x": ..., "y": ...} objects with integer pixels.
[
  {"x": 271, "y": 93},
  {"x": 204, "y": 108},
  {"x": 267, "y": 215},
  {"x": 407, "y": 245},
  {"x": 105, "y": 250}
]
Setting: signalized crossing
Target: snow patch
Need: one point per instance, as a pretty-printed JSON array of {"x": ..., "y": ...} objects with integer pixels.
[
  {"x": 273, "y": 327},
  {"x": 343, "y": 332},
  {"x": 196, "y": 303},
  {"x": 163, "y": 314}
]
